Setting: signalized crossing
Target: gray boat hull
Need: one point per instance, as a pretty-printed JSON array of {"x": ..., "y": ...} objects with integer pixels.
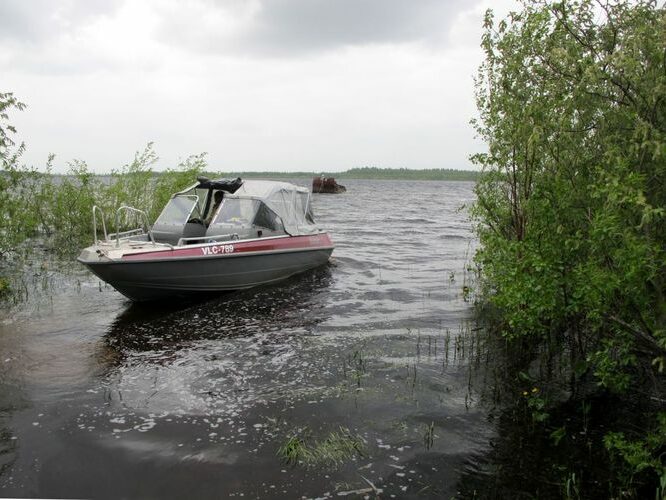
[{"x": 150, "y": 280}]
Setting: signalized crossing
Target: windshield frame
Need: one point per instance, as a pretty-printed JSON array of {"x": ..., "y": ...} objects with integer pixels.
[{"x": 194, "y": 199}]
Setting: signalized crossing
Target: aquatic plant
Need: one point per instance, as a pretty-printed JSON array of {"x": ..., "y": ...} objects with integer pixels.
[
  {"x": 335, "y": 449},
  {"x": 293, "y": 450},
  {"x": 4, "y": 286},
  {"x": 571, "y": 487},
  {"x": 429, "y": 436}
]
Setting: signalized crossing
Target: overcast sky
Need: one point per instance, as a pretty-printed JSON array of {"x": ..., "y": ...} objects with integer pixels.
[{"x": 257, "y": 84}]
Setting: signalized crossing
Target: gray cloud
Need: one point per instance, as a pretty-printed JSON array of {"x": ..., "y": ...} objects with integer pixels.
[
  {"x": 31, "y": 30},
  {"x": 295, "y": 24},
  {"x": 294, "y": 27},
  {"x": 18, "y": 22},
  {"x": 38, "y": 21},
  {"x": 260, "y": 84}
]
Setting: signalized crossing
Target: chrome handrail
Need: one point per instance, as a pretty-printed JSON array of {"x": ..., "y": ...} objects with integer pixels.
[
  {"x": 101, "y": 214},
  {"x": 209, "y": 239},
  {"x": 129, "y": 233},
  {"x": 136, "y": 211}
]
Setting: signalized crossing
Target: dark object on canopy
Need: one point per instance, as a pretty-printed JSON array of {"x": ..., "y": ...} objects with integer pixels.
[
  {"x": 326, "y": 185},
  {"x": 227, "y": 185}
]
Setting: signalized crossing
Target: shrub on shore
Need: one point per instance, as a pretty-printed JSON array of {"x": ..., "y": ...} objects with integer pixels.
[
  {"x": 571, "y": 203},
  {"x": 58, "y": 208}
]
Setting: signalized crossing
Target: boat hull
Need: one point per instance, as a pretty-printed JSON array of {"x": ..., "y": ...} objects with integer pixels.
[{"x": 155, "y": 275}]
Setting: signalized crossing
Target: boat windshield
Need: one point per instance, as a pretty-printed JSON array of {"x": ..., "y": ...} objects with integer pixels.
[
  {"x": 178, "y": 210},
  {"x": 236, "y": 211},
  {"x": 247, "y": 211}
]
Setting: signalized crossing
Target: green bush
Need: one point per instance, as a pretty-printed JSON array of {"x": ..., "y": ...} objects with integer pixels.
[
  {"x": 570, "y": 207},
  {"x": 58, "y": 208}
]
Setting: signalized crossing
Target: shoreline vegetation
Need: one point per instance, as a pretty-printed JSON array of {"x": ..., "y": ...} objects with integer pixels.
[{"x": 571, "y": 266}]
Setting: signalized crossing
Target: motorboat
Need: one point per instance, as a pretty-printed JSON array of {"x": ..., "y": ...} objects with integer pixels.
[
  {"x": 327, "y": 185},
  {"x": 216, "y": 235}
]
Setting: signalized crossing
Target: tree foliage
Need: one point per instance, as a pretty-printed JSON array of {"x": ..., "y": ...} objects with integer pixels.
[
  {"x": 12, "y": 202},
  {"x": 570, "y": 210},
  {"x": 59, "y": 208}
]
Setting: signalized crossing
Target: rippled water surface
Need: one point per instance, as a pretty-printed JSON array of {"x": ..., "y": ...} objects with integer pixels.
[{"x": 102, "y": 398}]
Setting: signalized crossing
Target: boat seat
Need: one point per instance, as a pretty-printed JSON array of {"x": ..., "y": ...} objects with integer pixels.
[
  {"x": 171, "y": 233},
  {"x": 194, "y": 230}
]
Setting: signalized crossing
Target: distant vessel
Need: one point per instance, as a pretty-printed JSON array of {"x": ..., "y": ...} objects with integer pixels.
[
  {"x": 326, "y": 185},
  {"x": 213, "y": 236}
]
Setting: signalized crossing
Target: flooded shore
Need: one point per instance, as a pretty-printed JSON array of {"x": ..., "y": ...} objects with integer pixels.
[{"x": 103, "y": 398}]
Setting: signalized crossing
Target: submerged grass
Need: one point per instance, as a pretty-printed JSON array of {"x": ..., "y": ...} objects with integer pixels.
[
  {"x": 337, "y": 448},
  {"x": 5, "y": 287},
  {"x": 553, "y": 425},
  {"x": 429, "y": 436}
]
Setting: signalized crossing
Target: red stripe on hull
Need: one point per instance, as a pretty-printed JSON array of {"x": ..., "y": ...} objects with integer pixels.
[{"x": 233, "y": 247}]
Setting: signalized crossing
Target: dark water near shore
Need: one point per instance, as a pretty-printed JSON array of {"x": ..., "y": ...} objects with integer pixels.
[{"x": 101, "y": 398}]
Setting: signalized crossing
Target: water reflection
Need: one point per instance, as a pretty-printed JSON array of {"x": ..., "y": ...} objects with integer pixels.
[
  {"x": 8, "y": 440},
  {"x": 295, "y": 304},
  {"x": 219, "y": 356},
  {"x": 549, "y": 439}
]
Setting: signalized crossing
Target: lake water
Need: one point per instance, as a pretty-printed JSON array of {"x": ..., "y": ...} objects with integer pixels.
[{"x": 102, "y": 398}]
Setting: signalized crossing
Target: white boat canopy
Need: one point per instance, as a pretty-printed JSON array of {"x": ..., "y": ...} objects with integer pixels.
[{"x": 289, "y": 202}]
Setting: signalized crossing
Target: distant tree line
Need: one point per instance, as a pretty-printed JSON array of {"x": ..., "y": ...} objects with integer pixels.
[
  {"x": 432, "y": 174},
  {"x": 429, "y": 174}
]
